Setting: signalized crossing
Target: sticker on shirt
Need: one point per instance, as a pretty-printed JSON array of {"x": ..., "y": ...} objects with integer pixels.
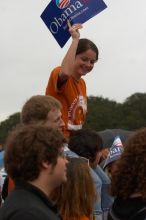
[{"x": 77, "y": 113}]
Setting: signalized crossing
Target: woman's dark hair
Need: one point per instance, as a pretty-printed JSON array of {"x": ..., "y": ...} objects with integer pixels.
[{"x": 85, "y": 44}]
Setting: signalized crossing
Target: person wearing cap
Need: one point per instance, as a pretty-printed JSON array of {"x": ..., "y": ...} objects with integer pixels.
[{"x": 114, "y": 154}]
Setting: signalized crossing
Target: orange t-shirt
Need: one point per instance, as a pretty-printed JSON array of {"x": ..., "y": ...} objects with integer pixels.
[
  {"x": 10, "y": 185},
  {"x": 73, "y": 98},
  {"x": 83, "y": 217}
]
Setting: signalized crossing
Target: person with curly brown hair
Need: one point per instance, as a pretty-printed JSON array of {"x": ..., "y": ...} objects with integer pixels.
[
  {"x": 129, "y": 180},
  {"x": 34, "y": 159}
]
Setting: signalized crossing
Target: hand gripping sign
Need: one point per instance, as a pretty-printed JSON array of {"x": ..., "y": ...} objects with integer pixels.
[{"x": 57, "y": 13}]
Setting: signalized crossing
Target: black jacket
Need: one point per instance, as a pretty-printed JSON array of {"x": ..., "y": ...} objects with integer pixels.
[
  {"x": 27, "y": 202},
  {"x": 129, "y": 209}
]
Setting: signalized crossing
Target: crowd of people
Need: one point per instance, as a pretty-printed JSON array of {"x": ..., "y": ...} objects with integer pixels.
[{"x": 55, "y": 168}]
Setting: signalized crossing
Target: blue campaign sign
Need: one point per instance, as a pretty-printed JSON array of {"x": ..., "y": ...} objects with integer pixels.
[{"x": 57, "y": 13}]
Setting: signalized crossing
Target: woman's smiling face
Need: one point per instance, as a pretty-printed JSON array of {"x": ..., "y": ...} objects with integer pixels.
[{"x": 84, "y": 63}]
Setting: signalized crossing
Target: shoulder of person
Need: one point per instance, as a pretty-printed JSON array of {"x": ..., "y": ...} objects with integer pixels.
[
  {"x": 138, "y": 215},
  {"x": 56, "y": 70}
]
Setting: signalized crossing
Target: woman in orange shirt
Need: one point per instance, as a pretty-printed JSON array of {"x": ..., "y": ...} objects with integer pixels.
[{"x": 66, "y": 83}]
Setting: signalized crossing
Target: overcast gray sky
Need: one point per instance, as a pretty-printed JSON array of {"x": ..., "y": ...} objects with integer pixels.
[{"x": 28, "y": 51}]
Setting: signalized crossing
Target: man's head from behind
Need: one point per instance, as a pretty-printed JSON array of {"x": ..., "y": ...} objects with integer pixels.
[
  {"x": 86, "y": 143},
  {"x": 28, "y": 148},
  {"x": 45, "y": 110}
]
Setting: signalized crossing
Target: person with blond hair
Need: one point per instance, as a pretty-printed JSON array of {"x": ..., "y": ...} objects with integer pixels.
[
  {"x": 38, "y": 109},
  {"x": 41, "y": 109}
]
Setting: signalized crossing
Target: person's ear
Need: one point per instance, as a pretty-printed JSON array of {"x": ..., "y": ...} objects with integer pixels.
[{"x": 48, "y": 166}]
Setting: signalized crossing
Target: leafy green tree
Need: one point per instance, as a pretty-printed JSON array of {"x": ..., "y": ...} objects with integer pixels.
[
  {"x": 102, "y": 114},
  {"x": 134, "y": 109},
  {"x": 8, "y": 125}
]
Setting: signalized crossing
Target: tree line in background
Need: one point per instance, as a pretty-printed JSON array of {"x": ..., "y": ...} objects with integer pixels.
[{"x": 102, "y": 114}]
